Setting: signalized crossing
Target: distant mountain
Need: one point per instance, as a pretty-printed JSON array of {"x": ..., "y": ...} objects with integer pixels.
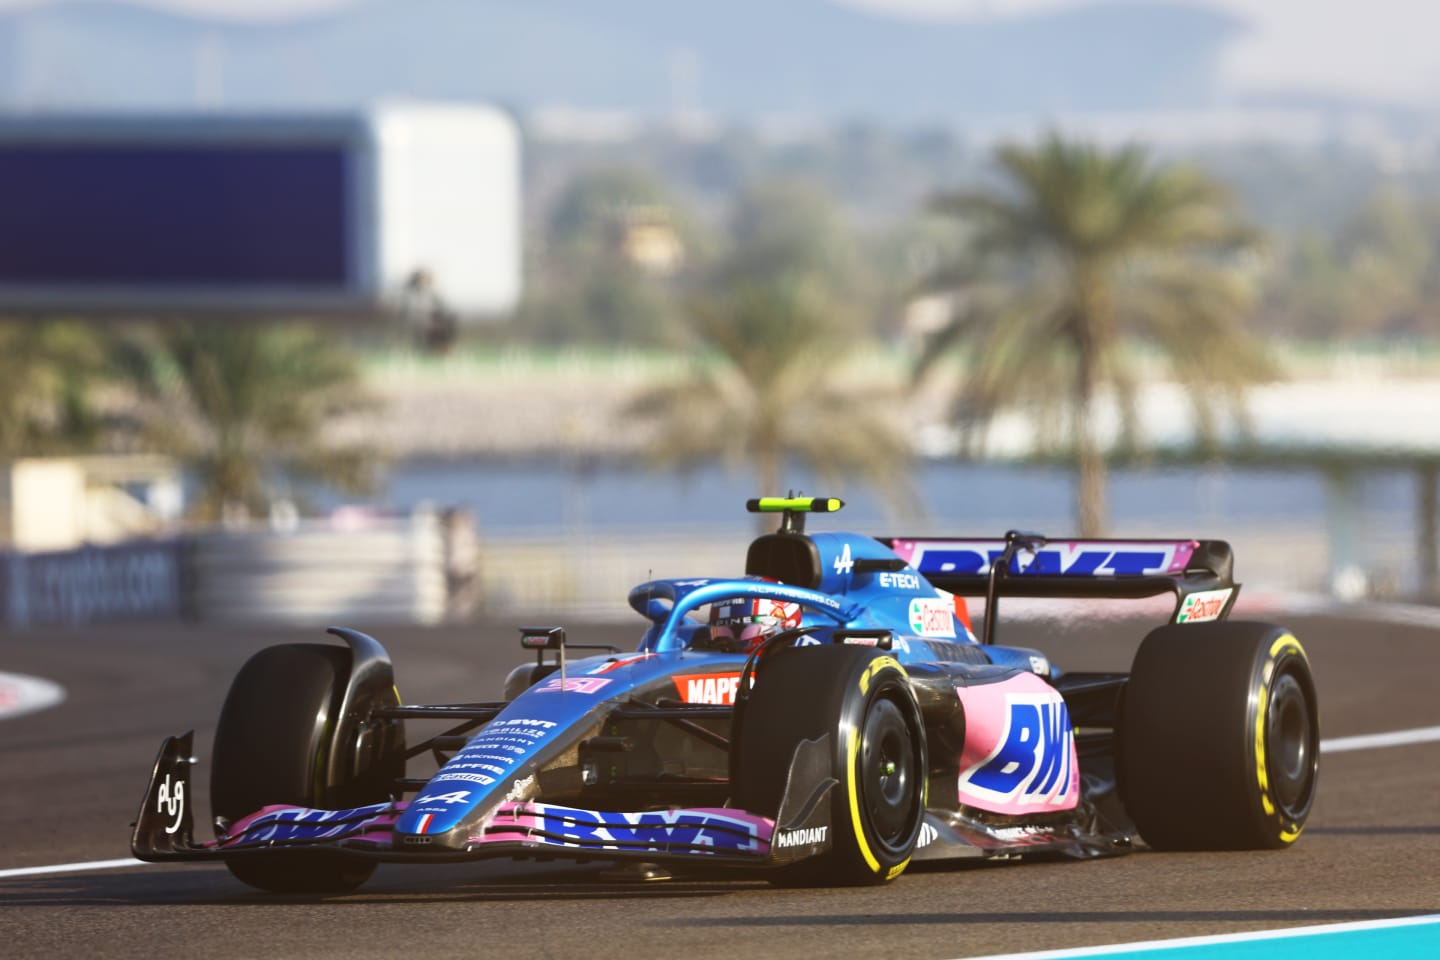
[{"x": 734, "y": 58}]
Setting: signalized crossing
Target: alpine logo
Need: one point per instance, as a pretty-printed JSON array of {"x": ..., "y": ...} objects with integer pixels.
[
  {"x": 712, "y": 688},
  {"x": 807, "y": 837}
]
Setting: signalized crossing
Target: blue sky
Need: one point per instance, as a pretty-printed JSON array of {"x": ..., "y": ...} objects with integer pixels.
[
  {"x": 1380, "y": 49},
  {"x": 1361, "y": 48}
]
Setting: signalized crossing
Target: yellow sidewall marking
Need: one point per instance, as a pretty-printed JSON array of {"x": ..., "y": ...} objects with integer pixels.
[
  {"x": 1285, "y": 643},
  {"x": 856, "y": 825},
  {"x": 1262, "y": 778},
  {"x": 853, "y": 765},
  {"x": 876, "y": 665},
  {"x": 1282, "y": 642}
]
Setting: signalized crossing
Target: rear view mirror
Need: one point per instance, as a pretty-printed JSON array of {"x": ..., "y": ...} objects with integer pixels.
[{"x": 542, "y": 638}]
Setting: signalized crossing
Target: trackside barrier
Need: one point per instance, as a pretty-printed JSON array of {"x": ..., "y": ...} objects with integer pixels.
[
  {"x": 131, "y": 581},
  {"x": 373, "y": 570},
  {"x": 591, "y": 573},
  {"x": 365, "y": 570},
  {"x": 418, "y": 570}
]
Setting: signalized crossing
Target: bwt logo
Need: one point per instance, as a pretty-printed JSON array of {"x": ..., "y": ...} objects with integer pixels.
[
  {"x": 661, "y": 829},
  {"x": 1032, "y": 764},
  {"x": 1069, "y": 560}
]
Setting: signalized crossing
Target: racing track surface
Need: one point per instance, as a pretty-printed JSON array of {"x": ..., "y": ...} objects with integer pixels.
[{"x": 72, "y": 777}]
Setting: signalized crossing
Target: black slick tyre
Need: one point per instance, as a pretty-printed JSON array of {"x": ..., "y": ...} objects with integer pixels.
[
  {"x": 271, "y": 746},
  {"x": 1219, "y": 737},
  {"x": 859, "y": 698}
]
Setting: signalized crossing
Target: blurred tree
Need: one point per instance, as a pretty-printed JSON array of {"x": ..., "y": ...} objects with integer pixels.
[
  {"x": 772, "y": 332},
  {"x": 51, "y": 371},
  {"x": 614, "y": 251},
  {"x": 1376, "y": 275},
  {"x": 787, "y": 228},
  {"x": 1307, "y": 294},
  {"x": 1088, "y": 253},
  {"x": 246, "y": 404},
  {"x": 1390, "y": 251}
]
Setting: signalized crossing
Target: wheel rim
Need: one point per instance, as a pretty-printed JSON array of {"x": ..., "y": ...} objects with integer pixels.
[
  {"x": 1290, "y": 748},
  {"x": 888, "y": 774}
]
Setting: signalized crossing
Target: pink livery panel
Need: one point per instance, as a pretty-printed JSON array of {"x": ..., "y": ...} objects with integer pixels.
[{"x": 1019, "y": 755}]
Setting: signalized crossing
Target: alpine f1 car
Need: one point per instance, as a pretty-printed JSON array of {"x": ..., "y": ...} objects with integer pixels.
[{"x": 828, "y": 717}]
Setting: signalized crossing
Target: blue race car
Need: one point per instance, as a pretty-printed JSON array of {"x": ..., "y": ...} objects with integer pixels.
[{"x": 828, "y": 717}]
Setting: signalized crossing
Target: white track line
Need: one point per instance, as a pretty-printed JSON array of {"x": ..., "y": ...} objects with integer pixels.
[
  {"x": 21, "y": 694},
  {"x": 1371, "y": 741},
  {"x": 73, "y": 867}
]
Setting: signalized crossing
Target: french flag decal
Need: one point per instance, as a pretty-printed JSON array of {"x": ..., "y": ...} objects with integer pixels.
[{"x": 424, "y": 825}]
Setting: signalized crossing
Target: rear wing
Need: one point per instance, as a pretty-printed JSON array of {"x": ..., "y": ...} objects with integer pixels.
[{"x": 1201, "y": 573}]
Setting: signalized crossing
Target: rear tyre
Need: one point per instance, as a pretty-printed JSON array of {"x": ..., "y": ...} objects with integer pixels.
[
  {"x": 272, "y": 746},
  {"x": 1219, "y": 739},
  {"x": 860, "y": 697}
]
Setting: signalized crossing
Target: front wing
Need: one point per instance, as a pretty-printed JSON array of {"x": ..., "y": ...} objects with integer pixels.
[{"x": 164, "y": 829}]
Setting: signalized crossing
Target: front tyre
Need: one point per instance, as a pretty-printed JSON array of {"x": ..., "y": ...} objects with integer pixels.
[
  {"x": 1219, "y": 740},
  {"x": 860, "y": 699},
  {"x": 272, "y": 744}
]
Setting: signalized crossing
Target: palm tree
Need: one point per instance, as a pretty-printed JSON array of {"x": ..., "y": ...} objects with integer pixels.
[
  {"x": 249, "y": 404},
  {"x": 768, "y": 388},
  {"x": 1086, "y": 255},
  {"x": 771, "y": 339},
  {"x": 592, "y": 284},
  {"x": 50, "y": 370}
]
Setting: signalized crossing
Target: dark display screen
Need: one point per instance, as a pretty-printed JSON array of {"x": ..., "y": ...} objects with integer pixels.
[{"x": 168, "y": 217}]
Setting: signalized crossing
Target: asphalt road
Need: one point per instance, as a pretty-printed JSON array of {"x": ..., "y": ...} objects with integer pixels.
[{"x": 73, "y": 775}]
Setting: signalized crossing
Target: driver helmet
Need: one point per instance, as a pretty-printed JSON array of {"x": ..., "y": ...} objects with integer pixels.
[{"x": 746, "y": 622}]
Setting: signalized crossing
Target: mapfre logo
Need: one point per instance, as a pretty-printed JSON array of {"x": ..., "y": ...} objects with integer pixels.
[{"x": 712, "y": 688}]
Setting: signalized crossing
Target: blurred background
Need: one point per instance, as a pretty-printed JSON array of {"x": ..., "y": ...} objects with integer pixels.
[{"x": 423, "y": 310}]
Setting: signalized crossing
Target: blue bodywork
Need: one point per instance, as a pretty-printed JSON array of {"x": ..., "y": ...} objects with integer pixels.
[
  {"x": 535, "y": 777},
  {"x": 545, "y": 719}
]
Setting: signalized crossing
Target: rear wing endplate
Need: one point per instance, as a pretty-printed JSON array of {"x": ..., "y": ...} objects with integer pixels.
[{"x": 1201, "y": 573}]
